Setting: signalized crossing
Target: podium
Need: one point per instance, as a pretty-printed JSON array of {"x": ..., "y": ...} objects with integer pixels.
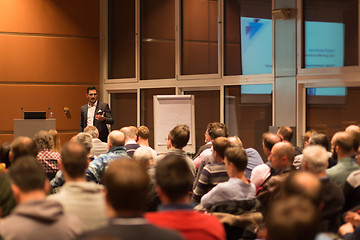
[{"x": 28, "y": 127}]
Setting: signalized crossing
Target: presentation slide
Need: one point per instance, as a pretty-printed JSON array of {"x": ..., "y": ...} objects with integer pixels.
[
  {"x": 256, "y": 45},
  {"x": 324, "y": 44}
]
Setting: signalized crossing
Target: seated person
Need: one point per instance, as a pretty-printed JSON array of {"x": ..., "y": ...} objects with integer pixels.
[
  {"x": 351, "y": 229},
  {"x": 292, "y": 218},
  {"x": 177, "y": 139},
  {"x": 127, "y": 184},
  {"x": 174, "y": 181},
  {"x": 237, "y": 188},
  {"x": 35, "y": 217},
  {"x": 46, "y": 157},
  {"x": 212, "y": 174}
]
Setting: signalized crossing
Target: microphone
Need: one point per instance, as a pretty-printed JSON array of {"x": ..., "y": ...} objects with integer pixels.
[{"x": 50, "y": 113}]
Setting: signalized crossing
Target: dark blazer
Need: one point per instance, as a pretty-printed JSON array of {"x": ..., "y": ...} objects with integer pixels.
[{"x": 100, "y": 125}]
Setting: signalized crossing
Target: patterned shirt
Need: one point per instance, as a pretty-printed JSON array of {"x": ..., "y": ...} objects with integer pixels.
[
  {"x": 210, "y": 176},
  {"x": 49, "y": 160},
  {"x": 99, "y": 164}
]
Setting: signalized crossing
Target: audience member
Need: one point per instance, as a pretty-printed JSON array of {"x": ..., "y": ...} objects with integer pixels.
[
  {"x": 209, "y": 136},
  {"x": 281, "y": 157},
  {"x": 98, "y": 147},
  {"x": 351, "y": 229},
  {"x": 130, "y": 139},
  {"x": 35, "y": 217},
  {"x": 211, "y": 159},
  {"x": 82, "y": 138},
  {"x": 5, "y": 156},
  {"x": 286, "y": 134},
  {"x": 237, "y": 188},
  {"x": 126, "y": 185},
  {"x": 315, "y": 160},
  {"x": 212, "y": 174},
  {"x": 254, "y": 158},
  {"x": 207, "y": 154},
  {"x": 57, "y": 142},
  {"x": 177, "y": 140},
  {"x": 342, "y": 145},
  {"x": 21, "y": 146},
  {"x": 143, "y": 134},
  {"x": 354, "y": 132},
  {"x": 292, "y": 218},
  {"x": 174, "y": 181},
  {"x": 86, "y": 140},
  {"x": 352, "y": 188},
  {"x": 78, "y": 197},
  {"x": 215, "y": 130},
  {"x": 146, "y": 158},
  {"x": 306, "y": 142},
  {"x": 322, "y": 140},
  {"x": 46, "y": 157},
  {"x": 116, "y": 141},
  {"x": 261, "y": 172}
]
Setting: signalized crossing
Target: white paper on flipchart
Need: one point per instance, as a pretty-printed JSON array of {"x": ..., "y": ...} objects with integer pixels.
[{"x": 172, "y": 113}]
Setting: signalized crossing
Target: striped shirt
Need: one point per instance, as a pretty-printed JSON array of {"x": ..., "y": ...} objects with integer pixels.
[{"x": 210, "y": 176}]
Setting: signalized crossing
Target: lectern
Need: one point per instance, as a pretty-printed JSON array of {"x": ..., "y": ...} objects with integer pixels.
[{"x": 28, "y": 127}]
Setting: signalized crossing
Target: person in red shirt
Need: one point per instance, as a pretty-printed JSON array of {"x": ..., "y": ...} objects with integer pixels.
[{"x": 174, "y": 181}]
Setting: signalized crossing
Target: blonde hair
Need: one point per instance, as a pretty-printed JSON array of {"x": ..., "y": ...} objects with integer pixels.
[{"x": 56, "y": 138}]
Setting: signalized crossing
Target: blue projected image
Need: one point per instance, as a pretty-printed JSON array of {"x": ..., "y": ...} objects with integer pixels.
[
  {"x": 333, "y": 91},
  {"x": 256, "y": 45},
  {"x": 324, "y": 44},
  {"x": 256, "y": 89}
]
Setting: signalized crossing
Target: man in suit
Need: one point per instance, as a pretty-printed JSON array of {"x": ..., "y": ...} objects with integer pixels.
[{"x": 96, "y": 113}]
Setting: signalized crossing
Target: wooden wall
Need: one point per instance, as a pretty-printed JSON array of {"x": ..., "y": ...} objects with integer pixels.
[{"x": 49, "y": 55}]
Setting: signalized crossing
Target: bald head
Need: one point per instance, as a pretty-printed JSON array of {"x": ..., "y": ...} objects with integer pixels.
[
  {"x": 282, "y": 155},
  {"x": 342, "y": 143},
  {"x": 354, "y": 132},
  {"x": 22, "y": 146},
  {"x": 116, "y": 138},
  {"x": 235, "y": 142},
  {"x": 352, "y": 128}
]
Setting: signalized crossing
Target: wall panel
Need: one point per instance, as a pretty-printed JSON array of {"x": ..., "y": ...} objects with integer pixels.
[
  {"x": 78, "y": 17},
  {"x": 48, "y": 59}
]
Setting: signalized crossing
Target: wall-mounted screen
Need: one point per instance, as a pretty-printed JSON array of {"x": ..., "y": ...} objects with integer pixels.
[
  {"x": 256, "y": 45},
  {"x": 324, "y": 44},
  {"x": 333, "y": 95}
]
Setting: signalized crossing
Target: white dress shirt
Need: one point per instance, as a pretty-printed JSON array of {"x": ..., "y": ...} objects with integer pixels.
[{"x": 91, "y": 114}]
